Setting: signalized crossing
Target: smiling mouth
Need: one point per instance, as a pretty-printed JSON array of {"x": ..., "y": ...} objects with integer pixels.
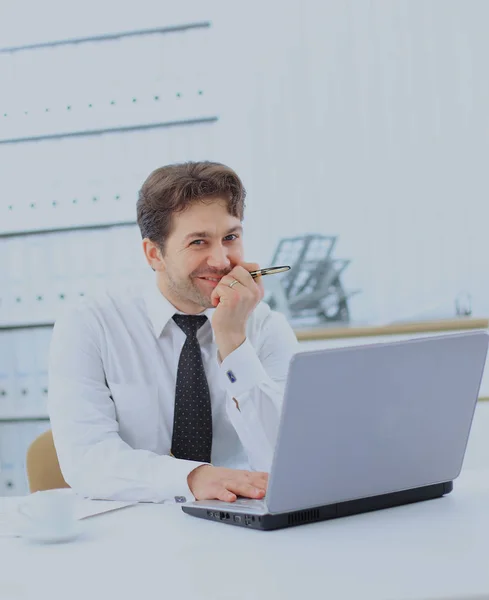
[{"x": 216, "y": 279}]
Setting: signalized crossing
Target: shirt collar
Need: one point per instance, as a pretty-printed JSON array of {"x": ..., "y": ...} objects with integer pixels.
[{"x": 160, "y": 310}]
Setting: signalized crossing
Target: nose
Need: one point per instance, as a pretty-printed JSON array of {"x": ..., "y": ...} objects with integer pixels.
[{"x": 218, "y": 257}]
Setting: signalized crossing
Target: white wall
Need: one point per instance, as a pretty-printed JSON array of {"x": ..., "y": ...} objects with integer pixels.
[{"x": 368, "y": 120}]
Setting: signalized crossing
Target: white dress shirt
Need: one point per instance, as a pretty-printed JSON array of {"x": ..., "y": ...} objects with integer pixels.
[{"x": 112, "y": 376}]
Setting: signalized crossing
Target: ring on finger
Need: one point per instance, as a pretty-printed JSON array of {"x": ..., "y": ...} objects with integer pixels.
[{"x": 233, "y": 283}]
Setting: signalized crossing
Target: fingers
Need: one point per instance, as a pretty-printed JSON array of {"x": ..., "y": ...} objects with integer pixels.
[
  {"x": 244, "y": 279},
  {"x": 241, "y": 487},
  {"x": 243, "y": 483},
  {"x": 223, "y": 291},
  {"x": 259, "y": 480},
  {"x": 208, "y": 482},
  {"x": 241, "y": 273},
  {"x": 233, "y": 293},
  {"x": 243, "y": 276},
  {"x": 226, "y": 496},
  {"x": 248, "y": 483}
]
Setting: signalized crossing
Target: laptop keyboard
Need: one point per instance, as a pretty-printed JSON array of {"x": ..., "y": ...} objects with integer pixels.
[
  {"x": 241, "y": 505},
  {"x": 248, "y": 503}
]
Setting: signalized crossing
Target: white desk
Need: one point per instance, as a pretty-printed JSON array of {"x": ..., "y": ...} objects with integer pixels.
[{"x": 435, "y": 549}]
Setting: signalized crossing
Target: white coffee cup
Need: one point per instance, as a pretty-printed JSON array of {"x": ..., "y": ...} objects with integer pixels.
[{"x": 49, "y": 515}]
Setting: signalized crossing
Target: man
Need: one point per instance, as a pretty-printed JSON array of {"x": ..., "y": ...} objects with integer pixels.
[{"x": 174, "y": 391}]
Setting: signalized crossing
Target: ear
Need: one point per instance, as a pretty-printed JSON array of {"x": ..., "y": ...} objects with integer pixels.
[{"x": 153, "y": 255}]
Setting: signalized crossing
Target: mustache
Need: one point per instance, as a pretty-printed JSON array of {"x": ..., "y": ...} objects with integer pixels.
[{"x": 211, "y": 273}]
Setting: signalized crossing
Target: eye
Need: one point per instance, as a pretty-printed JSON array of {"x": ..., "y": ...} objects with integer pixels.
[
  {"x": 231, "y": 237},
  {"x": 197, "y": 243}
]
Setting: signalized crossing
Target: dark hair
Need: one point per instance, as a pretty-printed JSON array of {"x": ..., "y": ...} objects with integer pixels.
[{"x": 171, "y": 189}]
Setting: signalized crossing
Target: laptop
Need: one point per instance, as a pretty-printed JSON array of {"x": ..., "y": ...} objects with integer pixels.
[{"x": 364, "y": 428}]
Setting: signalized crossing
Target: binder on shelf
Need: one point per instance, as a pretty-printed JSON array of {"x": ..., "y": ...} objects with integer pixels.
[
  {"x": 16, "y": 261},
  {"x": 63, "y": 266},
  {"x": 4, "y": 281},
  {"x": 61, "y": 261},
  {"x": 15, "y": 439},
  {"x": 14, "y": 311},
  {"x": 42, "y": 340},
  {"x": 96, "y": 255},
  {"x": 8, "y": 460},
  {"x": 124, "y": 248},
  {"x": 22, "y": 433},
  {"x": 35, "y": 303},
  {"x": 12, "y": 308},
  {"x": 7, "y": 374},
  {"x": 25, "y": 378}
]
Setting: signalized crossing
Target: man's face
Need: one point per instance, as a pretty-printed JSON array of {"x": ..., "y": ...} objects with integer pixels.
[{"x": 205, "y": 244}]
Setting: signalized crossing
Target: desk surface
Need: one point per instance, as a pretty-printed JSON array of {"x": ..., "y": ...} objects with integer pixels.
[{"x": 435, "y": 549}]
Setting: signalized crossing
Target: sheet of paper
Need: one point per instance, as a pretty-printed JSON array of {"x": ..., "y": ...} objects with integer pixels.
[
  {"x": 90, "y": 508},
  {"x": 11, "y": 521}
]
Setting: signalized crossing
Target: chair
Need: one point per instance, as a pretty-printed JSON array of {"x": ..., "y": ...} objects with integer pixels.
[{"x": 43, "y": 470}]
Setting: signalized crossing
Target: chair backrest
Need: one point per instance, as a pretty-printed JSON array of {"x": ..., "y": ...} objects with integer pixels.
[{"x": 43, "y": 470}]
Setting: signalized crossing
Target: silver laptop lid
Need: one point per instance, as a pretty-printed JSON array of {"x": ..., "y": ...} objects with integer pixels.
[{"x": 368, "y": 420}]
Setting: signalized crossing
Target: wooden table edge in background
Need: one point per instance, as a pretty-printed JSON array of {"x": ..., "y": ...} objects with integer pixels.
[{"x": 442, "y": 325}]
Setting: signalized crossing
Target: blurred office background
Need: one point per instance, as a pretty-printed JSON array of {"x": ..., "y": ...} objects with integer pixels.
[{"x": 364, "y": 120}]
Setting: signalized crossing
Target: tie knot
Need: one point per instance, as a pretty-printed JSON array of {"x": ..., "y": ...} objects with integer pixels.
[{"x": 190, "y": 324}]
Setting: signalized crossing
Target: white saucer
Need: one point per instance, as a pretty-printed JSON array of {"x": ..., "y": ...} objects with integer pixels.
[{"x": 51, "y": 537}]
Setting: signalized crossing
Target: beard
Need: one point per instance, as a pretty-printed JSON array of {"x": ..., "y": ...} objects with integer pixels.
[{"x": 187, "y": 289}]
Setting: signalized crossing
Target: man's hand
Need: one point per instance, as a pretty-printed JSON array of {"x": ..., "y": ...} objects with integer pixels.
[
  {"x": 234, "y": 306},
  {"x": 217, "y": 483}
]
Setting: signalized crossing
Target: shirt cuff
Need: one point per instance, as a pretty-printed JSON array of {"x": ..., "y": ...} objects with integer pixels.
[
  {"x": 242, "y": 370},
  {"x": 174, "y": 480}
]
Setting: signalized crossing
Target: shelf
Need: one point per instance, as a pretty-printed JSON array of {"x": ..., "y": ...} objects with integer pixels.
[
  {"x": 21, "y": 419},
  {"x": 125, "y": 129},
  {"x": 14, "y": 326},
  {"x": 10, "y": 234},
  {"x": 107, "y": 37}
]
